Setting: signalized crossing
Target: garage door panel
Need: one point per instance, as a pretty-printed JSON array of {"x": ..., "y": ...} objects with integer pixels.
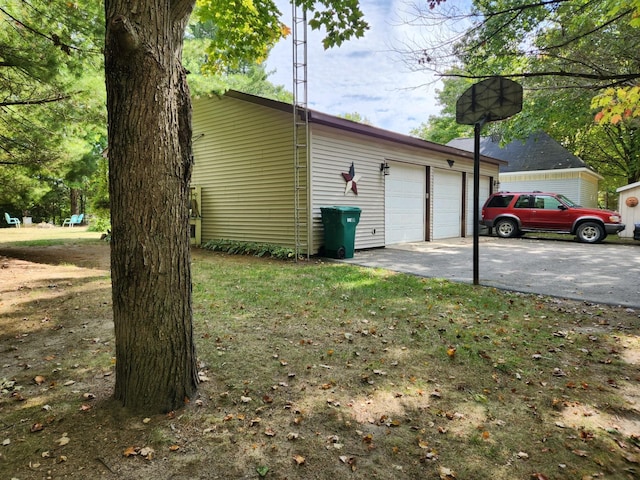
[
  {"x": 404, "y": 203},
  {"x": 447, "y": 204}
]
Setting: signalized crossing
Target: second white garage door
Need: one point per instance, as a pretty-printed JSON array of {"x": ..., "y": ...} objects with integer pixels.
[
  {"x": 404, "y": 210},
  {"x": 447, "y": 204}
]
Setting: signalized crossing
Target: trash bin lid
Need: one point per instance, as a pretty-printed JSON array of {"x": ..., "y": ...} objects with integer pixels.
[{"x": 341, "y": 208}]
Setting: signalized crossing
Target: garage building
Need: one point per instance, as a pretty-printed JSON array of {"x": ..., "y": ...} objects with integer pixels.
[{"x": 255, "y": 185}]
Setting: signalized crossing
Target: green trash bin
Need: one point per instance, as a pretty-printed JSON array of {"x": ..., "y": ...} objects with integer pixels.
[{"x": 340, "y": 230}]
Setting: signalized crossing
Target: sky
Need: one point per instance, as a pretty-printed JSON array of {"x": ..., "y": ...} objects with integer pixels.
[{"x": 365, "y": 75}]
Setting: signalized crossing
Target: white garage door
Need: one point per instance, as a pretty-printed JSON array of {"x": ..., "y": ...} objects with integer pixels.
[
  {"x": 404, "y": 193},
  {"x": 484, "y": 194},
  {"x": 447, "y": 204}
]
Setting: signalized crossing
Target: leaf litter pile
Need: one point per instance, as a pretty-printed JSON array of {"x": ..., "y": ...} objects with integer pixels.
[{"x": 319, "y": 370}]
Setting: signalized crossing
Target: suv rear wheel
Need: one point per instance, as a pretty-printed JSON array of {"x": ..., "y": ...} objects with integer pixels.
[
  {"x": 506, "y": 228},
  {"x": 590, "y": 232}
]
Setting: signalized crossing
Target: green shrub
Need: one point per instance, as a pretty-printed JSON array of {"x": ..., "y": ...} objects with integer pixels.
[
  {"x": 99, "y": 224},
  {"x": 235, "y": 247}
]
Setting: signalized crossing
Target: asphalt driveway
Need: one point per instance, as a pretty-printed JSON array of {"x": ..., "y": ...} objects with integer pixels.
[{"x": 601, "y": 273}]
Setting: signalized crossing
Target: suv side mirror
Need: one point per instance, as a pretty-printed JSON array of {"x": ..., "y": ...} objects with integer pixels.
[{"x": 562, "y": 207}]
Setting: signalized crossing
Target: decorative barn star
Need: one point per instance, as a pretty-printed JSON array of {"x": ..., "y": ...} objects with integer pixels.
[{"x": 352, "y": 180}]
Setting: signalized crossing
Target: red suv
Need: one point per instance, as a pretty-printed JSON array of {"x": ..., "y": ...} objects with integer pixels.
[{"x": 512, "y": 214}]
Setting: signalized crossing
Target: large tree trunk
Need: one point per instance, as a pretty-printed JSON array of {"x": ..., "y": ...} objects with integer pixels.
[{"x": 149, "y": 115}]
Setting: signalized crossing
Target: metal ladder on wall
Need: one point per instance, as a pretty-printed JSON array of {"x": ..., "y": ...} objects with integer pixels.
[{"x": 300, "y": 130}]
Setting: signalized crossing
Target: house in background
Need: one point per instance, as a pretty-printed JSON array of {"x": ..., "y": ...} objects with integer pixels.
[
  {"x": 408, "y": 189},
  {"x": 629, "y": 208},
  {"x": 539, "y": 164}
]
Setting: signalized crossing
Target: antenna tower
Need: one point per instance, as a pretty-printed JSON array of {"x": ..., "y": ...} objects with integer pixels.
[{"x": 300, "y": 130}]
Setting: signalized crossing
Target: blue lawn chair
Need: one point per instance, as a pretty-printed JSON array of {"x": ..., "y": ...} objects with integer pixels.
[
  {"x": 73, "y": 220},
  {"x": 12, "y": 220}
]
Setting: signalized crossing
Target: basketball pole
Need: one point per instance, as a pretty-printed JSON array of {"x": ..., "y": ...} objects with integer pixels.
[
  {"x": 492, "y": 99},
  {"x": 477, "y": 128}
]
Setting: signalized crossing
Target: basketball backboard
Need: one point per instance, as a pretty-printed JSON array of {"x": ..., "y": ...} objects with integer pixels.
[{"x": 495, "y": 98}]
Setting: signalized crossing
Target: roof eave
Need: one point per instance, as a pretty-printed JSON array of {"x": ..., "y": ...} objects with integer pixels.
[{"x": 363, "y": 129}]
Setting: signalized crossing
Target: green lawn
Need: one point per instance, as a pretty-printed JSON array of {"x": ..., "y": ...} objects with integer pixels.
[{"x": 329, "y": 371}]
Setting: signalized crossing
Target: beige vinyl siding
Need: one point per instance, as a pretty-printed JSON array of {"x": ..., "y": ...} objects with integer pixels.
[
  {"x": 246, "y": 178},
  {"x": 244, "y": 164},
  {"x": 332, "y": 154}
]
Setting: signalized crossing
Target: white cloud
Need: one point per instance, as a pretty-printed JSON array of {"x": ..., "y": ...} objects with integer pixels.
[{"x": 364, "y": 75}]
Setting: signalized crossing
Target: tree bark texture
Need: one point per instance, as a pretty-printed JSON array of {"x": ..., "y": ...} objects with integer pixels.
[
  {"x": 74, "y": 197},
  {"x": 150, "y": 160}
]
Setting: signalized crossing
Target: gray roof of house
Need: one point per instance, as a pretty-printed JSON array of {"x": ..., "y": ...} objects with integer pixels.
[{"x": 538, "y": 152}]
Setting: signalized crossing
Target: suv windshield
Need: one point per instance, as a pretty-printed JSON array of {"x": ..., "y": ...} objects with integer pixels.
[{"x": 568, "y": 202}]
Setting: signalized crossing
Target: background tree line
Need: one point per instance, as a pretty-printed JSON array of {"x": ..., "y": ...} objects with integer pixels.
[
  {"x": 53, "y": 118},
  {"x": 578, "y": 61}
]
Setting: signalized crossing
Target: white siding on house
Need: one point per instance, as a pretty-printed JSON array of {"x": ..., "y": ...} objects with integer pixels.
[
  {"x": 580, "y": 185},
  {"x": 630, "y": 215}
]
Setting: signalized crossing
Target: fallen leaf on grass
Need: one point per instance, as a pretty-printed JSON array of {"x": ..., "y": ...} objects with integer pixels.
[
  {"x": 447, "y": 473},
  {"x": 174, "y": 448},
  {"x": 522, "y": 455},
  {"x": 299, "y": 459},
  {"x": 351, "y": 461},
  {"x": 539, "y": 476},
  {"x": 39, "y": 379},
  {"x": 130, "y": 451},
  {"x": 63, "y": 440},
  {"x": 36, "y": 427},
  {"x": 580, "y": 453},
  {"x": 147, "y": 452},
  {"x": 631, "y": 458}
]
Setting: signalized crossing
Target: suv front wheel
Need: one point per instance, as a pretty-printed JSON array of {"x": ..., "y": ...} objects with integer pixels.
[
  {"x": 590, "y": 232},
  {"x": 506, "y": 228}
]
